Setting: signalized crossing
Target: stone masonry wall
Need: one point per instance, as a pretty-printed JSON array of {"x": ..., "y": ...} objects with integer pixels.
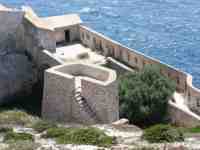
[
  {"x": 10, "y": 21},
  {"x": 36, "y": 38},
  {"x": 103, "y": 99},
  {"x": 57, "y": 97},
  {"x": 74, "y": 33},
  {"x": 181, "y": 117},
  {"x": 60, "y": 104}
]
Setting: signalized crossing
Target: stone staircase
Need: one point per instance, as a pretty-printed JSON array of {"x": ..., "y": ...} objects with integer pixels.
[{"x": 84, "y": 106}]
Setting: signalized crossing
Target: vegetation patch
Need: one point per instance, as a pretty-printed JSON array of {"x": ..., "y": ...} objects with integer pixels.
[
  {"x": 23, "y": 145},
  {"x": 15, "y": 117},
  {"x": 144, "y": 96},
  {"x": 14, "y": 137},
  {"x": 43, "y": 125},
  {"x": 5, "y": 129},
  {"x": 194, "y": 130},
  {"x": 87, "y": 136},
  {"x": 163, "y": 133},
  {"x": 56, "y": 132}
]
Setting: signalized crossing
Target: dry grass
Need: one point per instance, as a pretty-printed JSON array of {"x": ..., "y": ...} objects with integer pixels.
[{"x": 16, "y": 117}]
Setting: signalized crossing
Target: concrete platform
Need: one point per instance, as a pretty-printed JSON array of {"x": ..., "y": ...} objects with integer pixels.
[{"x": 78, "y": 53}]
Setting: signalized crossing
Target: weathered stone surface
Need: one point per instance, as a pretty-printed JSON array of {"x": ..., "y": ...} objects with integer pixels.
[
  {"x": 120, "y": 122},
  {"x": 17, "y": 75},
  {"x": 97, "y": 103}
]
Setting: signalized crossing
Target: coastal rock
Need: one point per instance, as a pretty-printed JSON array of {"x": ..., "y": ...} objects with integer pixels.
[{"x": 17, "y": 75}]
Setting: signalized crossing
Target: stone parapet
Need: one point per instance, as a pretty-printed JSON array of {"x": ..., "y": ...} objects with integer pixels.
[{"x": 99, "y": 90}]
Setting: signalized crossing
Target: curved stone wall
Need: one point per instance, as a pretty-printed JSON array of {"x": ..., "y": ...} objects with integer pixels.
[{"x": 98, "y": 88}]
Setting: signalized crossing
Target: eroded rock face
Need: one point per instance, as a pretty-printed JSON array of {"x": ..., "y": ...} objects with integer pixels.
[{"x": 17, "y": 75}]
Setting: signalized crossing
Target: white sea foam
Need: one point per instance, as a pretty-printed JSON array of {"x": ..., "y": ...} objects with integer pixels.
[{"x": 85, "y": 10}]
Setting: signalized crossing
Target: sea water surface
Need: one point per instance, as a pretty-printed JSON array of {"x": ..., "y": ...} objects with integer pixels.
[{"x": 168, "y": 30}]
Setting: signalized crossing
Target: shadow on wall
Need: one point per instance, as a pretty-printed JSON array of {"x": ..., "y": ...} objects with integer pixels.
[{"x": 30, "y": 103}]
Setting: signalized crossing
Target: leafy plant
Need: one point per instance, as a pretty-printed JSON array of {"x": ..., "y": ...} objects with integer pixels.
[
  {"x": 163, "y": 133},
  {"x": 14, "y": 137},
  {"x": 56, "y": 132},
  {"x": 144, "y": 96},
  {"x": 43, "y": 125},
  {"x": 90, "y": 136}
]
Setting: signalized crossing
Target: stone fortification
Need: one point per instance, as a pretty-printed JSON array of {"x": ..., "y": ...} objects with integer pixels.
[
  {"x": 39, "y": 40},
  {"x": 81, "y": 93}
]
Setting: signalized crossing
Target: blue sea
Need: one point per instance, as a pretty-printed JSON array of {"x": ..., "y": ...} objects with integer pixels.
[{"x": 168, "y": 30}]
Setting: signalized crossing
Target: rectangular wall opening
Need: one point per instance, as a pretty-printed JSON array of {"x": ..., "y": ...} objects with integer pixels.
[{"x": 67, "y": 36}]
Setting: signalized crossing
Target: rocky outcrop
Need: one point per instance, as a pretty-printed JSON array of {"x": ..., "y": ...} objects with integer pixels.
[{"x": 17, "y": 75}]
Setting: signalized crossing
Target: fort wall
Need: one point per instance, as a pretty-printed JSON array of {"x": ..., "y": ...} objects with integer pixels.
[
  {"x": 57, "y": 96},
  {"x": 103, "y": 99},
  {"x": 24, "y": 30},
  {"x": 10, "y": 20},
  {"x": 182, "y": 117},
  {"x": 73, "y": 33},
  {"x": 36, "y": 35},
  {"x": 137, "y": 60},
  {"x": 99, "y": 90}
]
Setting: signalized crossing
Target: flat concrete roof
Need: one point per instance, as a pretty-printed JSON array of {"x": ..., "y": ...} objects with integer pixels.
[
  {"x": 57, "y": 22},
  {"x": 72, "y": 53}
]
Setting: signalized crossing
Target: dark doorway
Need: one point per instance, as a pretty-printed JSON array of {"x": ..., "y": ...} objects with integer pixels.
[{"x": 67, "y": 36}]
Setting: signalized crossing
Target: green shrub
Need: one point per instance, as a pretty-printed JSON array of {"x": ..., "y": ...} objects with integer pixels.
[
  {"x": 88, "y": 136},
  {"x": 43, "y": 125},
  {"x": 5, "y": 129},
  {"x": 14, "y": 137},
  {"x": 144, "y": 96},
  {"x": 23, "y": 145},
  {"x": 194, "y": 130},
  {"x": 56, "y": 132},
  {"x": 15, "y": 117},
  {"x": 163, "y": 133}
]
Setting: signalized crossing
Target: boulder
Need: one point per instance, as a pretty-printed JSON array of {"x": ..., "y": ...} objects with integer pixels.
[
  {"x": 120, "y": 122},
  {"x": 17, "y": 75}
]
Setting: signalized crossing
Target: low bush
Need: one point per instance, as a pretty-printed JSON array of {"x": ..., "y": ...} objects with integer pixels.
[
  {"x": 22, "y": 145},
  {"x": 194, "y": 130},
  {"x": 144, "y": 96},
  {"x": 43, "y": 125},
  {"x": 56, "y": 132},
  {"x": 15, "y": 117},
  {"x": 5, "y": 129},
  {"x": 163, "y": 133},
  {"x": 88, "y": 136},
  {"x": 14, "y": 137}
]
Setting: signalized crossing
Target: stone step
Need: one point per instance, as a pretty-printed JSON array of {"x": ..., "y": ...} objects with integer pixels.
[
  {"x": 77, "y": 95},
  {"x": 78, "y": 98},
  {"x": 83, "y": 104}
]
